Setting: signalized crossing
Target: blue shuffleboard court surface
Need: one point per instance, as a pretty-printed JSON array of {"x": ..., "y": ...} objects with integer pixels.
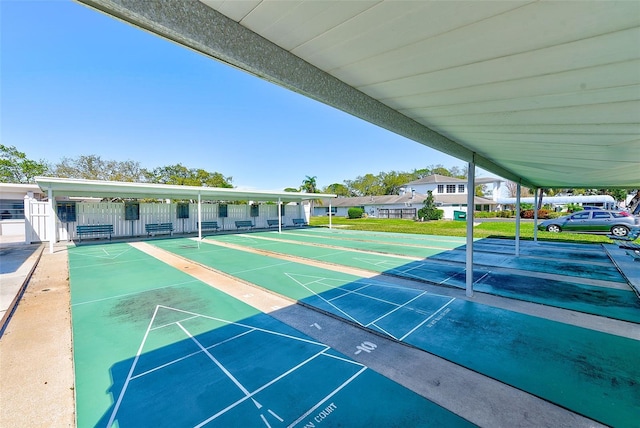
[{"x": 155, "y": 347}]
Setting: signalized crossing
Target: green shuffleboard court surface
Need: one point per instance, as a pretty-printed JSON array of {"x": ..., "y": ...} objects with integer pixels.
[
  {"x": 155, "y": 347},
  {"x": 592, "y": 373}
]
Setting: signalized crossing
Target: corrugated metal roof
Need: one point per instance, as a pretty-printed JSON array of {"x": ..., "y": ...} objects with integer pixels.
[{"x": 117, "y": 189}]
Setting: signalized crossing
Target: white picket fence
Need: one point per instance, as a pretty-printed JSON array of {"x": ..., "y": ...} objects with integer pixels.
[{"x": 88, "y": 213}]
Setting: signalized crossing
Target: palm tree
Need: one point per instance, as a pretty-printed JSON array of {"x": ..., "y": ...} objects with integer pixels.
[{"x": 309, "y": 184}]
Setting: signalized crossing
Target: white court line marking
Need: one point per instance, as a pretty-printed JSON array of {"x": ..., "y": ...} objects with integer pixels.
[
  {"x": 275, "y": 415},
  {"x": 397, "y": 308},
  {"x": 134, "y": 293},
  {"x": 327, "y": 301},
  {"x": 133, "y": 366},
  {"x": 174, "y": 322},
  {"x": 275, "y": 333},
  {"x": 260, "y": 268},
  {"x": 265, "y": 420},
  {"x": 263, "y": 387},
  {"x": 331, "y": 394},
  {"x": 220, "y": 366},
  {"x": 97, "y": 255},
  {"x": 423, "y": 322},
  {"x": 130, "y": 376},
  {"x": 482, "y": 277},
  {"x": 177, "y": 360},
  {"x": 382, "y": 330}
]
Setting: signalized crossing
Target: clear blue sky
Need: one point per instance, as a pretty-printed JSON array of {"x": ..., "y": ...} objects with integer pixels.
[{"x": 77, "y": 82}]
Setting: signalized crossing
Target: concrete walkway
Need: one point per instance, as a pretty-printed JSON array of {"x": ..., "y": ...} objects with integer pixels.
[{"x": 36, "y": 362}]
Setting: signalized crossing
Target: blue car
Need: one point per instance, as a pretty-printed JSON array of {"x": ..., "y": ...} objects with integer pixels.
[{"x": 617, "y": 223}]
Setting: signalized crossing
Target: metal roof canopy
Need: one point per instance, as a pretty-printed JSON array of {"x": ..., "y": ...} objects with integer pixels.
[
  {"x": 110, "y": 189},
  {"x": 546, "y": 94}
]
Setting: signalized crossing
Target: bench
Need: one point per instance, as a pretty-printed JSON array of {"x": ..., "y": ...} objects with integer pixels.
[
  {"x": 626, "y": 242},
  {"x": 299, "y": 222},
  {"x": 244, "y": 223},
  {"x": 94, "y": 229},
  {"x": 273, "y": 223},
  {"x": 152, "y": 228},
  {"x": 209, "y": 225}
]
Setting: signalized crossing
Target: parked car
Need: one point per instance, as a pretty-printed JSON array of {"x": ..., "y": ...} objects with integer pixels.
[{"x": 617, "y": 223}]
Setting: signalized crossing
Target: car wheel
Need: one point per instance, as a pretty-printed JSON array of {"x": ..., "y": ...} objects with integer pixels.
[
  {"x": 554, "y": 228},
  {"x": 619, "y": 231}
]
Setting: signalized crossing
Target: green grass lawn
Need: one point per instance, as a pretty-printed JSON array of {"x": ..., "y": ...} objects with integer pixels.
[{"x": 486, "y": 229}]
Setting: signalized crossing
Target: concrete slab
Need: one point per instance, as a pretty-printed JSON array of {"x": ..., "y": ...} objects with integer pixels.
[
  {"x": 627, "y": 264},
  {"x": 17, "y": 262}
]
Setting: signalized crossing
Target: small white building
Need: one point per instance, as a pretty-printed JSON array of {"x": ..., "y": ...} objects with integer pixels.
[{"x": 12, "y": 197}]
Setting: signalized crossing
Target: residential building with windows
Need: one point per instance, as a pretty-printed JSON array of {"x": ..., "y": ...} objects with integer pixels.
[{"x": 449, "y": 193}]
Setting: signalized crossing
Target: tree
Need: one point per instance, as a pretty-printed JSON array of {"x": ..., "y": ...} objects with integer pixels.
[
  {"x": 429, "y": 211},
  {"x": 367, "y": 185},
  {"x": 309, "y": 184},
  {"x": 16, "y": 168},
  {"x": 93, "y": 167},
  {"x": 441, "y": 170},
  {"x": 619, "y": 195},
  {"x": 179, "y": 174},
  {"x": 338, "y": 189},
  {"x": 392, "y": 182},
  {"x": 512, "y": 189}
]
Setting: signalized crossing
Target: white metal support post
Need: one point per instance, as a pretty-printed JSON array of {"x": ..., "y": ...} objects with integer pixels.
[
  {"x": 535, "y": 215},
  {"x": 199, "y": 217},
  {"x": 51, "y": 220},
  {"x": 279, "y": 215},
  {"x": 330, "y": 214},
  {"x": 518, "y": 192},
  {"x": 470, "y": 207}
]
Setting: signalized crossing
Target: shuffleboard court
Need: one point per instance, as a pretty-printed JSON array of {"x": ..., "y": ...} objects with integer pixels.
[
  {"x": 566, "y": 267},
  {"x": 395, "y": 246},
  {"x": 368, "y": 236},
  {"x": 618, "y": 303},
  {"x": 555, "y": 250},
  {"x": 591, "y": 373},
  {"x": 155, "y": 347}
]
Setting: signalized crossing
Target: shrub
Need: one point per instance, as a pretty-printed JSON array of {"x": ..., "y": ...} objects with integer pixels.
[
  {"x": 429, "y": 210},
  {"x": 542, "y": 214},
  {"x": 430, "y": 213},
  {"x": 355, "y": 212}
]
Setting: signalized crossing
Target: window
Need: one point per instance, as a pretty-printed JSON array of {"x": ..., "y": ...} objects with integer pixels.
[
  {"x": 222, "y": 210},
  {"x": 460, "y": 188},
  {"x": 182, "y": 210},
  {"x": 619, "y": 214},
  {"x": 599, "y": 214},
  {"x": 451, "y": 188},
  {"x": 132, "y": 211},
  {"x": 12, "y": 209},
  {"x": 581, "y": 216},
  {"x": 440, "y": 188},
  {"x": 66, "y": 212}
]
